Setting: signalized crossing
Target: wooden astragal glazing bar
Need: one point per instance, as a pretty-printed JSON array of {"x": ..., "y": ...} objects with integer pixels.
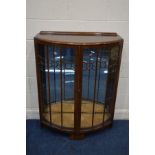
[
  {"x": 49, "y": 92},
  {"x": 61, "y": 87},
  {"x": 77, "y": 74},
  {"x": 95, "y": 78}
]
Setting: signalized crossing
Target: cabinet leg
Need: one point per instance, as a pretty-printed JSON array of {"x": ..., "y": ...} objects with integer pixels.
[
  {"x": 110, "y": 125},
  {"x": 42, "y": 125},
  {"x": 75, "y": 136}
]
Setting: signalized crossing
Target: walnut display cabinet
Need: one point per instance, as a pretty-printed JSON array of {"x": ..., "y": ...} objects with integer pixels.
[{"x": 77, "y": 76}]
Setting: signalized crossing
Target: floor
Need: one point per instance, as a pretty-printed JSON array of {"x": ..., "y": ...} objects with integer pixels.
[{"x": 44, "y": 141}]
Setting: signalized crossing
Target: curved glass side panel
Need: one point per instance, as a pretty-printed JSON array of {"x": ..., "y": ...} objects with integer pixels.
[{"x": 112, "y": 80}]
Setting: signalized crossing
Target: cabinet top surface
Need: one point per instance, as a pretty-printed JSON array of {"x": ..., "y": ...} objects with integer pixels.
[{"x": 78, "y": 38}]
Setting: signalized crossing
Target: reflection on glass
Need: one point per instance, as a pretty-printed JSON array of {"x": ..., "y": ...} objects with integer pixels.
[
  {"x": 89, "y": 67},
  {"x": 57, "y": 74}
]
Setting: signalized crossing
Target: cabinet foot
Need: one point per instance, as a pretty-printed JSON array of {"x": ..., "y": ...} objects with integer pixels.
[
  {"x": 110, "y": 125},
  {"x": 42, "y": 125},
  {"x": 75, "y": 136}
]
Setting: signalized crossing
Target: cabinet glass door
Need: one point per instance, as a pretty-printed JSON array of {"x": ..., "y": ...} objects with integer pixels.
[
  {"x": 99, "y": 79},
  {"x": 57, "y": 72},
  {"x": 94, "y": 83}
]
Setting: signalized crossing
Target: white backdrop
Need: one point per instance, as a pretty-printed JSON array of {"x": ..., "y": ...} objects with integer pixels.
[{"x": 81, "y": 15}]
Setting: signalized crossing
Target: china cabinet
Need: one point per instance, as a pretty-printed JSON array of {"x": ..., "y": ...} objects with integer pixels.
[{"x": 77, "y": 76}]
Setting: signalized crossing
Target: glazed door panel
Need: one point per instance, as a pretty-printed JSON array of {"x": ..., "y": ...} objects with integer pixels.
[
  {"x": 94, "y": 82},
  {"x": 100, "y": 67},
  {"x": 57, "y": 73}
]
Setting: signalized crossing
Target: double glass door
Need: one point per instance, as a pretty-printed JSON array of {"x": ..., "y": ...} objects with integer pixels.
[{"x": 65, "y": 101}]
